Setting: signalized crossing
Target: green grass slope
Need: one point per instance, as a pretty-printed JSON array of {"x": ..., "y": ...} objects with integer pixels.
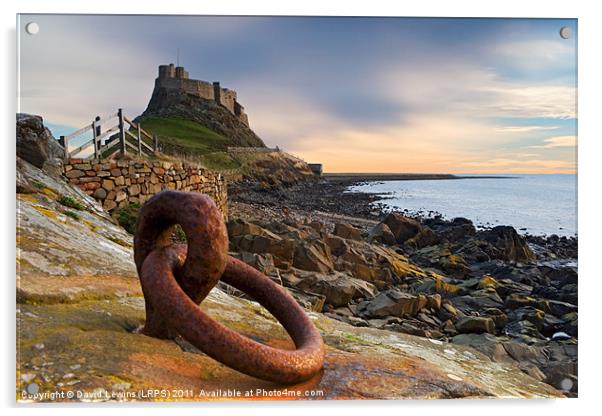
[{"x": 191, "y": 140}]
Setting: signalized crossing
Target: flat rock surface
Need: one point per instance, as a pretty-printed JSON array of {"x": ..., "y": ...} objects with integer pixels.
[{"x": 90, "y": 347}]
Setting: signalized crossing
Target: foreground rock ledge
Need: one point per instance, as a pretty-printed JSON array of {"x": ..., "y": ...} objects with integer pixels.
[{"x": 90, "y": 345}]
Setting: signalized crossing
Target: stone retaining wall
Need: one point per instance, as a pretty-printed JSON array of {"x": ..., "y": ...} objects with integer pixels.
[
  {"x": 117, "y": 183},
  {"x": 245, "y": 149}
]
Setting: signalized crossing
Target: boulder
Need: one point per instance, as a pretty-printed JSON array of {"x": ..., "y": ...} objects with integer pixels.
[
  {"x": 500, "y": 319},
  {"x": 393, "y": 302},
  {"x": 282, "y": 250},
  {"x": 487, "y": 282},
  {"x": 485, "y": 343},
  {"x": 291, "y": 230},
  {"x": 313, "y": 256},
  {"x": 434, "y": 301},
  {"x": 562, "y": 275},
  {"x": 515, "y": 301},
  {"x": 529, "y": 313},
  {"x": 240, "y": 227},
  {"x": 448, "y": 312},
  {"x": 347, "y": 231},
  {"x": 507, "y": 244},
  {"x": 478, "y": 300},
  {"x": 316, "y": 226},
  {"x": 425, "y": 237},
  {"x": 262, "y": 262},
  {"x": 523, "y": 330},
  {"x": 381, "y": 233},
  {"x": 506, "y": 287},
  {"x": 559, "y": 308},
  {"x": 403, "y": 228},
  {"x": 475, "y": 251},
  {"x": 380, "y": 276},
  {"x": 32, "y": 139},
  {"x": 437, "y": 284},
  {"x": 338, "y": 288},
  {"x": 475, "y": 325},
  {"x": 448, "y": 328},
  {"x": 338, "y": 246},
  {"x": 441, "y": 257},
  {"x": 457, "y": 230}
]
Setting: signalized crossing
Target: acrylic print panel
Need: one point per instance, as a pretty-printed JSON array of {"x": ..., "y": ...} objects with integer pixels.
[{"x": 295, "y": 208}]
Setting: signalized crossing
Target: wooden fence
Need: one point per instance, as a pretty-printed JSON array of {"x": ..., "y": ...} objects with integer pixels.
[{"x": 131, "y": 139}]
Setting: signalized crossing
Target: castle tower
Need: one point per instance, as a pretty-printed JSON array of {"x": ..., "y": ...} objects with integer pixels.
[
  {"x": 217, "y": 92},
  {"x": 181, "y": 73},
  {"x": 167, "y": 71}
]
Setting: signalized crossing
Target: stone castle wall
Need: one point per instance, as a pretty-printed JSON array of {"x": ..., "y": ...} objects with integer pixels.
[
  {"x": 117, "y": 183},
  {"x": 228, "y": 99},
  {"x": 172, "y": 77},
  {"x": 191, "y": 86}
]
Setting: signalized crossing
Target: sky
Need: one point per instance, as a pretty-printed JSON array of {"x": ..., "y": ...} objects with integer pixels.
[{"x": 424, "y": 95}]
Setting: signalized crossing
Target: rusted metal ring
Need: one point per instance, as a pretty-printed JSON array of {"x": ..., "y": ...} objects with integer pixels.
[
  {"x": 223, "y": 344},
  {"x": 172, "y": 287},
  {"x": 207, "y": 239},
  {"x": 205, "y": 231}
]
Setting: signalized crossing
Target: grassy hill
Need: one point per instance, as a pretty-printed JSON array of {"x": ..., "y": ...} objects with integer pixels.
[{"x": 192, "y": 141}]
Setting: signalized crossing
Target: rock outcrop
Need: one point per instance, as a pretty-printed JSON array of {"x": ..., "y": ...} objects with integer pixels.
[
  {"x": 507, "y": 244},
  {"x": 36, "y": 145}
]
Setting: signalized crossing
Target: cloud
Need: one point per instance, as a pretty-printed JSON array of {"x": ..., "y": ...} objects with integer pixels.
[
  {"x": 512, "y": 165},
  {"x": 524, "y": 129},
  {"x": 557, "y": 141},
  {"x": 535, "y": 55},
  {"x": 470, "y": 90}
]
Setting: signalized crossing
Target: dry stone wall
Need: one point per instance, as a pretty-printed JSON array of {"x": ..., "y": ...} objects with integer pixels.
[{"x": 117, "y": 183}]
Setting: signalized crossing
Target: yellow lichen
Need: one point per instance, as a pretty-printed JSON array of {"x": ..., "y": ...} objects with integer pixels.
[
  {"x": 488, "y": 282},
  {"x": 50, "y": 192},
  {"x": 27, "y": 197},
  {"x": 47, "y": 212}
]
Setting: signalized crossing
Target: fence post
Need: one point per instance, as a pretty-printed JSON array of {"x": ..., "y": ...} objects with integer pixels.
[
  {"x": 97, "y": 119},
  {"x": 155, "y": 143},
  {"x": 65, "y": 143},
  {"x": 94, "y": 136},
  {"x": 98, "y": 130},
  {"x": 121, "y": 132},
  {"x": 139, "y": 140}
]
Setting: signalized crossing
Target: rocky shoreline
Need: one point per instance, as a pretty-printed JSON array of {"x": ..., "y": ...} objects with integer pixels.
[{"x": 511, "y": 297}]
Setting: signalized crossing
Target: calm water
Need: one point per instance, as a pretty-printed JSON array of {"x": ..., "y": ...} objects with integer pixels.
[{"x": 534, "y": 204}]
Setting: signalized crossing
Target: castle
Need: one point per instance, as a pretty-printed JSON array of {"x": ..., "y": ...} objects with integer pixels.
[{"x": 172, "y": 77}]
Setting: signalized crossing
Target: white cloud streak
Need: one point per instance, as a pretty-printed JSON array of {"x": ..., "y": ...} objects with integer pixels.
[
  {"x": 473, "y": 91},
  {"x": 556, "y": 141}
]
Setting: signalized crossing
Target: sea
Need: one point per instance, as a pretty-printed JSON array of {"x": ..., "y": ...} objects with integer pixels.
[{"x": 533, "y": 204}]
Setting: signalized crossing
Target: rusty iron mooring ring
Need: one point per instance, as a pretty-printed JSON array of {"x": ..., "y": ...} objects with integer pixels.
[{"x": 175, "y": 278}]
